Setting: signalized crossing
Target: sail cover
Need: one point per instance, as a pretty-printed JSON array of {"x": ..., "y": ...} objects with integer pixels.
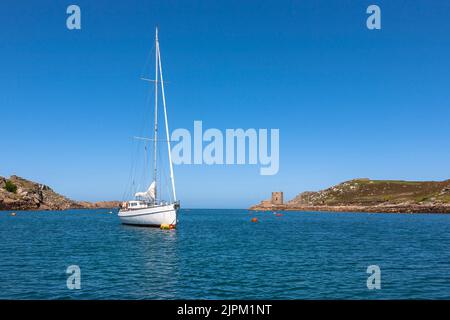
[{"x": 149, "y": 194}]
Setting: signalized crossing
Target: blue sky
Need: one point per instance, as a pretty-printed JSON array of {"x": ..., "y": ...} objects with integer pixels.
[{"x": 349, "y": 102}]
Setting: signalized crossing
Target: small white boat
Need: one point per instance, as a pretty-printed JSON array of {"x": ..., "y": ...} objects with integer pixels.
[{"x": 146, "y": 209}]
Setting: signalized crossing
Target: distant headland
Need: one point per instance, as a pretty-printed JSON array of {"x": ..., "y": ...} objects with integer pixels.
[
  {"x": 365, "y": 195},
  {"x": 17, "y": 193}
]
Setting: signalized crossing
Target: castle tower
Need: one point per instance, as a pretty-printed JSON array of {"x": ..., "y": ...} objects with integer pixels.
[{"x": 277, "y": 197}]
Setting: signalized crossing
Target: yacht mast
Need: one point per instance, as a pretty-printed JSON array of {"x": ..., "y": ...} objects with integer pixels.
[
  {"x": 167, "y": 127},
  {"x": 155, "y": 141}
]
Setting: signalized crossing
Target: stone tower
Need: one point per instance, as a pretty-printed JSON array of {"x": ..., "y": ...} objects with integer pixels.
[{"x": 277, "y": 197}]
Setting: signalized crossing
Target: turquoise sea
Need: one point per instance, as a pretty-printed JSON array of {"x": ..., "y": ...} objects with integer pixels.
[{"x": 221, "y": 254}]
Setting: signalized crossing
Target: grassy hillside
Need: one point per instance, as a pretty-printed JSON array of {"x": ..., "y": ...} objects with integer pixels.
[{"x": 366, "y": 192}]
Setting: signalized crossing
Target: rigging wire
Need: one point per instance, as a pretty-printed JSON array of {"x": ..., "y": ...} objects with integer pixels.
[
  {"x": 134, "y": 185},
  {"x": 143, "y": 114}
]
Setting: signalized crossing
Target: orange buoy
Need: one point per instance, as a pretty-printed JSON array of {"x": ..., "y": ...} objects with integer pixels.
[
  {"x": 171, "y": 226},
  {"x": 254, "y": 219}
]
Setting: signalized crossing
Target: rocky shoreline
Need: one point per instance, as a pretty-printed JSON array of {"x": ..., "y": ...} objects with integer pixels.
[
  {"x": 365, "y": 195},
  {"x": 368, "y": 209},
  {"x": 17, "y": 193}
]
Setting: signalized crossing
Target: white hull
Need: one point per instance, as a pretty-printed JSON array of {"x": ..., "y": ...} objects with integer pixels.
[{"x": 152, "y": 216}]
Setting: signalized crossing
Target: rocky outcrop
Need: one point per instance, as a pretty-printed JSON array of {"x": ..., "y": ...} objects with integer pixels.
[
  {"x": 17, "y": 193},
  {"x": 365, "y": 195}
]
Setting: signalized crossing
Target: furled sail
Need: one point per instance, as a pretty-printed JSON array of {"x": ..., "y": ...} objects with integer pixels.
[{"x": 149, "y": 194}]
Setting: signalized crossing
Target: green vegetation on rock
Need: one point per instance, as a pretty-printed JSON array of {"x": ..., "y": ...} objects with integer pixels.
[
  {"x": 367, "y": 192},
  {"x": 10, "y": 186}
]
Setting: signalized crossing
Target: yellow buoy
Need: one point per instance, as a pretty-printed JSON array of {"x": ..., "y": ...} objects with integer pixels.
[{"x": 167, "y": 226}]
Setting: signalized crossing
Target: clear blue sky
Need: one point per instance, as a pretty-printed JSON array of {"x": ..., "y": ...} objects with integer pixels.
[{"x": 349, "y": 102}]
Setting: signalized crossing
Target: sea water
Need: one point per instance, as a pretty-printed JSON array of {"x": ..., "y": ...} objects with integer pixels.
[{"x": 222, "y": 254}]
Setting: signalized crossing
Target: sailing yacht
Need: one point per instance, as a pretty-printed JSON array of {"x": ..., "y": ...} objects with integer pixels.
[{"x": 147, "y": 209}]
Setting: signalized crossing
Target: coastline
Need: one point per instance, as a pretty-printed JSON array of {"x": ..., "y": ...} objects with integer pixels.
[
  {"x": 365, "y": 195},
  {"x": 83, "y": 206},
  {"x": 20, "y": 194},
  {"x": 434, "y": 209}
]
